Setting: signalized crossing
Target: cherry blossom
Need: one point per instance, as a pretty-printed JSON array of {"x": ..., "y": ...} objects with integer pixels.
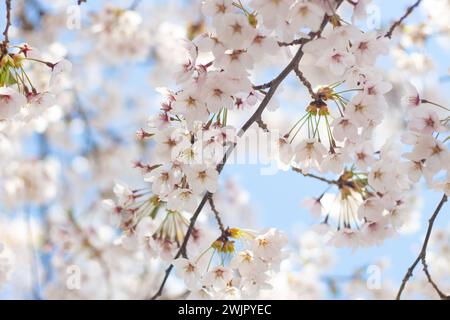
[
  {"x": 309, "y": 154},
  {"x": 10, "y": 102},
  {"x": 188, "y": 271},
  {"x": 201, "y": 178}
]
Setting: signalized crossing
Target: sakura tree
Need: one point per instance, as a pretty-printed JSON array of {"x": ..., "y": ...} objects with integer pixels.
[{"x": 120, "y": 121}]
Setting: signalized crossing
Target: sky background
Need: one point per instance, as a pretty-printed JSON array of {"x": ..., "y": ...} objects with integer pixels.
[{"x": 277, "y": 198}]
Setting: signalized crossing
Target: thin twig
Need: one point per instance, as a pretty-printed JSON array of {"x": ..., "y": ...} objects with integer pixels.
[
  {"x": 7, "y": 25},
  {"x": 441, "y": 294},
  {"x": 216, "y": 214},
  {"x": 311, "y": 175},
  {"x": 399, "y": 21},
  {"x": 263, "y": 86},
  {"x": 182, "y": 250},
  {"x": 305, "y": 82},
  {"x": 254, "y": 118},
  {"x": 293, "y": 43},
  {"x": 423, "y": 251}
]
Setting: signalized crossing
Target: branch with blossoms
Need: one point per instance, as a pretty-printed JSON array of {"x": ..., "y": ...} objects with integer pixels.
[
  {"x": 367, "y": 185},
  {"x": 256, "y": 117},
  {"x": 16, "y": 86}
]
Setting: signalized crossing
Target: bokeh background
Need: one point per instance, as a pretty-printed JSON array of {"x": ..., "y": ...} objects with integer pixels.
[{"x": 89, "y": 139}]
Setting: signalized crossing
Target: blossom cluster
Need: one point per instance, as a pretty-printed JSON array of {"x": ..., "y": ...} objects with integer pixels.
[
  {"x": 18, "y": 96},
  {"x": 118, "y": 35},
  {"x": 249, "y": 270},
  {"x": 335, "y": 134}
]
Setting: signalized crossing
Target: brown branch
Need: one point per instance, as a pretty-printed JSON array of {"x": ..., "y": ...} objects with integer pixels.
[
  {"x": 182, "y": 250},
  {"x": 216, "y": 214},
  {"x": 254, "y": 118},
  {"x": 263, "y": 86},
  {"x": 399, "y": 21},
  {"x": 312, "y": 34},
  {"x": 293, "y": 43},
  {"x": 441, "y": 294},
  {"x": 262, "y": 125},
  {"x": 423, "y": 252},
  {"x": 305, "y": 82},
  {"x": 7, "y": 25}
]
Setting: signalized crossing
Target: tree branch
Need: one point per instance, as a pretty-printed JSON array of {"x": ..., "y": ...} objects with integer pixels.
[
  {"x": 399, "y": 21},
  {"x": 7, "y": 25},
  {"x": 305, "y": 82},
  {"x": 311, "y": 175},
  {"x": 263, "y": 86},
  {"x": 423, "y": 253},
  {"x": 441, "y": 294},
  {"x": 293, "y": 43},
  {"x": 256, "y": 117},
  {"x": 262, "y": 125},
  {"x": 216, "y": 214}
]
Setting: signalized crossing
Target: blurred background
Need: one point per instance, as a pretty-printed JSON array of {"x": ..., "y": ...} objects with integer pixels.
[{"x": 57, "y": 169}]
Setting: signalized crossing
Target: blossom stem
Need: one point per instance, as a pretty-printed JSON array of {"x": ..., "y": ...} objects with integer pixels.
[
  {"x": 210, "y": 260},
  {"x": 301, "y": 126},
  {"x": 349, "y": 90},
  {"x": 434, "y": 104},
  {"x": 295, "y": 125},
  {"x": 225, "y": 117},
  {"x": 339, "y": 108},
  {"x": 27, "y": 77},
  {"x": 316, "y": 131},
  {"x": 48, "y": 64},
  {"x": 329, "y": 133}
]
